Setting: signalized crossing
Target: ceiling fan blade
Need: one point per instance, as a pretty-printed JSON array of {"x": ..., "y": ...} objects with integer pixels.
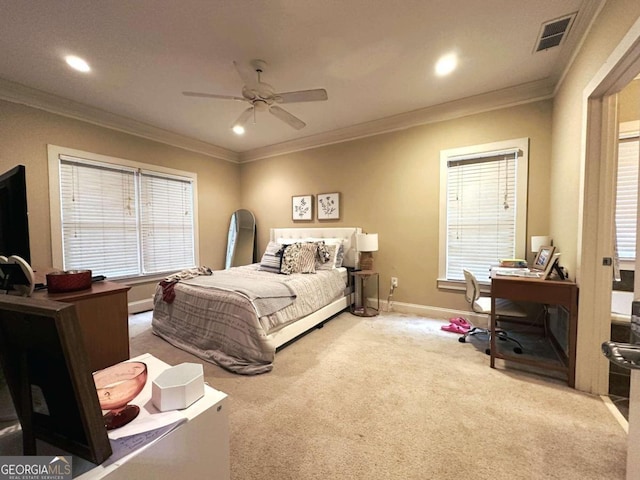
[
  {"x": 286, "y": 117},
  {"x": 213, "y": 95},
  {"x": 317, "y": 95},
  {"x": 244, "y": 116},
  {"x": 249, "y": 77}
]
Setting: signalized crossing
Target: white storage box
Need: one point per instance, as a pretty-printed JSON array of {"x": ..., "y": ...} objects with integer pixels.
[{"x": 178, "y": 387}]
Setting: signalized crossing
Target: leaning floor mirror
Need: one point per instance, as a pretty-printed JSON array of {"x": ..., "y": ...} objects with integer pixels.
[{"x": 241, "y": 239}]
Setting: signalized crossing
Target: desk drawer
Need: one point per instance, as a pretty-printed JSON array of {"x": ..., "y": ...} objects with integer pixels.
[{"x": 537, "y": 291}]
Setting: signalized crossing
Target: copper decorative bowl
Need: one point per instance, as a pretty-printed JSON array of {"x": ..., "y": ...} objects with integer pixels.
[
  {"x": 117, "y": 386},
  {"x": 68, "y": 281}
]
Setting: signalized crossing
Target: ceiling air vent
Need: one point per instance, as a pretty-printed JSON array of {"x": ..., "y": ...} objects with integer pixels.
[{"x": 553, "y": 33}]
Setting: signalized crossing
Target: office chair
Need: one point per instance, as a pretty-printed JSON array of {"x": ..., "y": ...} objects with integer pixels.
[{"x": 504, "y": 309}]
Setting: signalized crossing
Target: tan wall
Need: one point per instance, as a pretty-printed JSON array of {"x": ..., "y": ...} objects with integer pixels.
[
  {"x": 25, "y": 133},
  {"x": 570, "y": 175},
  {"x": 629, "y": 102},
  {"x": 389, "y": 184},
  {"x": 609, "y": 28}
]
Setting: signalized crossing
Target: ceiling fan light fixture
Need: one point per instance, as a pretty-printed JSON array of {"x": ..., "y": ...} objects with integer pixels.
[
  {"x": 262, "y": 97},
  {"x": 446, "y": 64},
  {"x": 77, "y": 63}
]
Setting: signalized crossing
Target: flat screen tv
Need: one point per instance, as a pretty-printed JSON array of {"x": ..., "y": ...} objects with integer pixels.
[{"x": 14, "y": 216}]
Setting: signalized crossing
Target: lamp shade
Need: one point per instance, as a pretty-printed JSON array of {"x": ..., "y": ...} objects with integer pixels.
[
  {"x": 367, "y": 242},
  {"x": 539, "y": 241}
]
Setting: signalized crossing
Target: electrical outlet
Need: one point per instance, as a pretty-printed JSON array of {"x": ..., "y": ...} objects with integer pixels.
[{"x": 394, "y": 282}]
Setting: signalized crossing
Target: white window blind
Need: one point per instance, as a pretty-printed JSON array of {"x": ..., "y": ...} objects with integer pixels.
[
  {"x": 481, "y": 212},
  {"x": 121, "y": 222},
  {"x": 627, "y": 197},
  {"x": 167, "y": 222}
]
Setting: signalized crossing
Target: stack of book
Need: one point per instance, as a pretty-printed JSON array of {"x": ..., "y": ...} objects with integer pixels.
[{"x": 513, "y": 263}]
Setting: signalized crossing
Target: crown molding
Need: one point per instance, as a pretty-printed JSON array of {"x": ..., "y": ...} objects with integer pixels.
[
  {"x": 519, "y": 94},
  {"x": 507, "y": 97},
  {"x": 18, "y": 93}
]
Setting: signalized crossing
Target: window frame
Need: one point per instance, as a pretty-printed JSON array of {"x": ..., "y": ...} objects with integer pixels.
[
  {"x": 54, "y": 152},
  {"x": 522, "y": 187}
]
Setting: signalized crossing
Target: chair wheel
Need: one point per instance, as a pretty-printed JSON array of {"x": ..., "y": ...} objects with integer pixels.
[
  {"x": 488, "y": 351},
  {"x": 462, "y": 340},
  {"x": 517, "y": 350}
]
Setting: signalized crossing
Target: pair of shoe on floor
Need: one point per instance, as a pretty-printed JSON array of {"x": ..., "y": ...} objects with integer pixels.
[{"x": 457, "y": 325}]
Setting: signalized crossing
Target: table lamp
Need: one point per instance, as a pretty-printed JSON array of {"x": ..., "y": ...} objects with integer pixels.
[
  {"x": 540, "y": 241},
  {"x": 367, "y": 243}
]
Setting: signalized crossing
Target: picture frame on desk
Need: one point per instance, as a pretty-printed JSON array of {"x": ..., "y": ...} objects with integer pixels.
[
  {"x": 555, "y": 267},
  {"x": 544, "y": 260}
]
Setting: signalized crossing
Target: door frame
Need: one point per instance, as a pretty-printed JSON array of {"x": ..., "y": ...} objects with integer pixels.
[{"x": 595, "y": 239}]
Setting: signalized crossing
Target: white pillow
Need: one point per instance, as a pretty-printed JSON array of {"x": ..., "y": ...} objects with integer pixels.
[
  {"x": 288, "y": 241},
  {"x": 327, "y": 241}
]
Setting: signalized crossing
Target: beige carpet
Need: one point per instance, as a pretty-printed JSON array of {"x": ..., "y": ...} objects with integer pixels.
[{"x": 394, "y": 397}]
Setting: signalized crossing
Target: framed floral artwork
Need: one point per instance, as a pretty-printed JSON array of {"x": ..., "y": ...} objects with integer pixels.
[
  {"x": 328, "y": 206},
  {"x": 302, "y": 207}
]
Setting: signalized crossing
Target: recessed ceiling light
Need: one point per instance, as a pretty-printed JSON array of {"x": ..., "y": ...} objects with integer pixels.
[
  {"x": 446, "y": 64},
  {"x": 77, "y": 63},
  {"x": 238, "y": 129}
]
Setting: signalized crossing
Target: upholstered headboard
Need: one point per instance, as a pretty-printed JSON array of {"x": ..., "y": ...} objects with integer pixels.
[{"x": 347, "y": 234}]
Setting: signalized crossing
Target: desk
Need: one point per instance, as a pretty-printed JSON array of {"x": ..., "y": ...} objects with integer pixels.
[{"x": 549, "y": 292}]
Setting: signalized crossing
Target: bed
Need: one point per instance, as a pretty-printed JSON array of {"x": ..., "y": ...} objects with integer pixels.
[{"x": 237, "y": 318}]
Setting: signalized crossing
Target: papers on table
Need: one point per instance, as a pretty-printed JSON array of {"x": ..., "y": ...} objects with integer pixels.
[
  {"x": 123, "y": 446},
  {"x": 517, "y": 272}
]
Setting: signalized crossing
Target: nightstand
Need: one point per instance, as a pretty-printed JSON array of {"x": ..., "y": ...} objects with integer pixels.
[{"x": 362, "y": 280}]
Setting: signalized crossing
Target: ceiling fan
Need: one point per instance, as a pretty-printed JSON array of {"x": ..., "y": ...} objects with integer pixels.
[{"x": 263, "y": 97}]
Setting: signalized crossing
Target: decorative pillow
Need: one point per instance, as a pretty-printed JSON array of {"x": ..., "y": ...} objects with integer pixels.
[
  {"x": 272, "y": 258},
  {"x": 324, "y": 253},
  {"x": 326, "y": 257},
  {"x": 331, "y": 263},
  {"x": 340, "y": 256},
  {"x": 299, "y": 258},
  {"x": 307, "y": 258}
]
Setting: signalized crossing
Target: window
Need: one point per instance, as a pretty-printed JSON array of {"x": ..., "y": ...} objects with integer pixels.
[
  {"x": 627, "y": 197},
  {"x": 120, "y": 218},
  {"x": 483, "y": 207}
]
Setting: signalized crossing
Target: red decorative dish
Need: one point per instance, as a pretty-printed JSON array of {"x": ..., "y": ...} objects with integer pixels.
[{"x": 68, "y": 281}]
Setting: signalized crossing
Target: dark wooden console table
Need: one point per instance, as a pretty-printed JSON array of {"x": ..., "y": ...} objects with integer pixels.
[{"x": 104, "y": 320}]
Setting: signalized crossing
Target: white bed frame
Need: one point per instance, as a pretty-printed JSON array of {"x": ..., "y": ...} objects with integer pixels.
[{"x": 348, "y": 236}]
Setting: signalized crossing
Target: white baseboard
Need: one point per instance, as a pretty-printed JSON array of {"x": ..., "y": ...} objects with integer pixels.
[
  {"x": 433, "y": 312},
  {"x": 400, "y": 307},
  {"x": 140, "y": 306}
]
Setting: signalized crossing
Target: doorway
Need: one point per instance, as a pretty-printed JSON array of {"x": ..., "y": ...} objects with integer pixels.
[
  {"x": 626, "y": 218},
  {"x": 597, "y": 206}
]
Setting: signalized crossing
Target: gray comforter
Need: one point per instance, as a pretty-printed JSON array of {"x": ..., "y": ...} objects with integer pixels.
[
  {"x": 267, "y": 296},
  {"x": 225, "y": 322}
]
